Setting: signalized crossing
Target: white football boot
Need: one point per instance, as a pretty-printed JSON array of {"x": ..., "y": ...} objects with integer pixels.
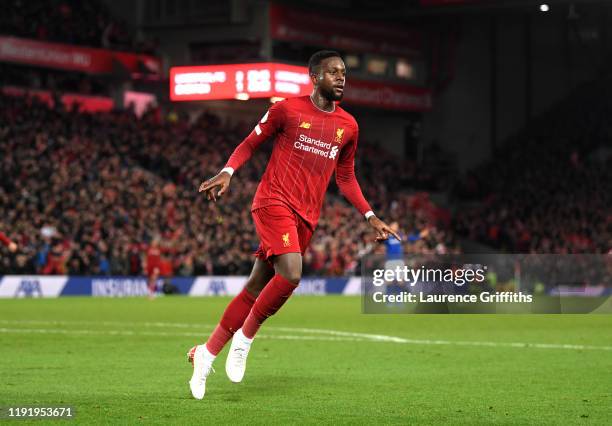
[
  {"x": 235, "y": 365},
  {"x": 202, "y": 361}
]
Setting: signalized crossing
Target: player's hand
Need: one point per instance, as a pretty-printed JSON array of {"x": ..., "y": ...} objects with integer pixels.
[
  {"x": 382, "y": 229},
  {"x": 12, "y": 247},
  {"x": 217, "y": 184}
]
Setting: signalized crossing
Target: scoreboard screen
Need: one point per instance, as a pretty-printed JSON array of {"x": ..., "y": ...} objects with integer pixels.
[{"x": 238, "y": 81}]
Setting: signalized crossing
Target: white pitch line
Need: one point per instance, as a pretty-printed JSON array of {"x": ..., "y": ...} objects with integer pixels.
[
  {"x": 335, "y": 335},
  {"x": 377, "y": 337},
  {"x": 163, "y": 334}
]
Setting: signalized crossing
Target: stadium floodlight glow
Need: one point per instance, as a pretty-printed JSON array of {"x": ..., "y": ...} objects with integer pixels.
[
  {"x": 544, "y": 7},
  {"x": 239, "y": 81}
]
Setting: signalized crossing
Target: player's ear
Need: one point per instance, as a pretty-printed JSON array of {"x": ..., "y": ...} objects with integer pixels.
[{"x": 313, "y": 79}]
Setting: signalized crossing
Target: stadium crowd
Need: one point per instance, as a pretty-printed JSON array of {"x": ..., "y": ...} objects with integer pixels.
[
  {"x": 95, "y": 194},
  {"x": 86, "y": 22},
  {"x": 550, "y": 189},
  {"x": 92, "y": 194}
]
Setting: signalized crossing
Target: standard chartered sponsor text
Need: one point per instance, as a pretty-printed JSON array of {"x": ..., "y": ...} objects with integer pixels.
[{"x": 308, "y": 144}]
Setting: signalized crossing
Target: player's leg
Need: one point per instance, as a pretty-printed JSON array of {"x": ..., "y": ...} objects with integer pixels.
[
  {"x": 152, "y": 277},
  {"x": 283, "y": 238},
  {"x": 278, "y": 228},
  {"x": 202, "y": 356},
  {"x": 261, "y": 274},
  {"x": 288, "y": 268},
  {"x": 238, "y": 309}
]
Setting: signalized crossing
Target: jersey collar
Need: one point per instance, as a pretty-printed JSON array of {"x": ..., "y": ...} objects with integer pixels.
[{"x": 322, "y": 110}]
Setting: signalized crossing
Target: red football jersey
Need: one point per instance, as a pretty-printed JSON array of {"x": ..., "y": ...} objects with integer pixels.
[
  {"x": 4, "y": 239},
  {"x": 309, "y": 145}
]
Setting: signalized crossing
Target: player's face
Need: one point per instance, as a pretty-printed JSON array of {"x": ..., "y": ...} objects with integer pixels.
[{"x": 331, "y": 78}]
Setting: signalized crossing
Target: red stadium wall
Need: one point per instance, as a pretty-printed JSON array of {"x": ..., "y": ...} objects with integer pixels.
[{"x": 74, "y": 58}]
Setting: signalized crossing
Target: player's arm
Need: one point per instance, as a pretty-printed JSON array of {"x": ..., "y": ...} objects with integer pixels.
[
  {"x": 12, "y": 246},
  {"x": 269, "y": 125},
  {"x": 349, "y": 186}
]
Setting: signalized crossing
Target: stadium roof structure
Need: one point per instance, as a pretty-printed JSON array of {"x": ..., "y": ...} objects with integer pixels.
[{"x": 407, "y": 10}]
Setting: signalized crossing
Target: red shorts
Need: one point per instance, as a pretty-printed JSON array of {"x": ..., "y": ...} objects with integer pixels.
[{"x": 280, "y": 231}]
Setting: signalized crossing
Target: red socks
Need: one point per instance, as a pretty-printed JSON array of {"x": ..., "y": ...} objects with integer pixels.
[
  {"x": 231, "y": 321},
  {"x": 270, "y": 300}
]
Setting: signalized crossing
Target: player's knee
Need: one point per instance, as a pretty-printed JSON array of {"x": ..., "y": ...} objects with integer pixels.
[
  {"x": 289, "y": 266},
  {"x": 293, "y": 276}
]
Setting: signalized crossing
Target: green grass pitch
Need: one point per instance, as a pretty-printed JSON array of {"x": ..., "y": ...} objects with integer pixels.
[{"x": 319, "y": 361}]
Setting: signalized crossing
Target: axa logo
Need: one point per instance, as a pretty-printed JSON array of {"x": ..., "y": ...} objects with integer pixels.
[
  {"x": 305, "y": 125},
  {"x": 339, "y": 135},
  {"x": 286, "y": 242},
  {"x": 217, "y": 287},
  {"x": 29, "y": 288}
]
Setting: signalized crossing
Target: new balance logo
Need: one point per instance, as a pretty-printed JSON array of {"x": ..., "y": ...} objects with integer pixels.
[{"x": 305, "y": 125}]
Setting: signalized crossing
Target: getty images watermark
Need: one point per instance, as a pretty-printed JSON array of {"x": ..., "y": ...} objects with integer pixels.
[
  {"x": 487, "y": 284},
  {"x": 409, "y": 277}
]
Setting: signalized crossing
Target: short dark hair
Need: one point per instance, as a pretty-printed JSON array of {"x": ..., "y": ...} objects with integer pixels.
[{"x": 317, "y": 57}]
